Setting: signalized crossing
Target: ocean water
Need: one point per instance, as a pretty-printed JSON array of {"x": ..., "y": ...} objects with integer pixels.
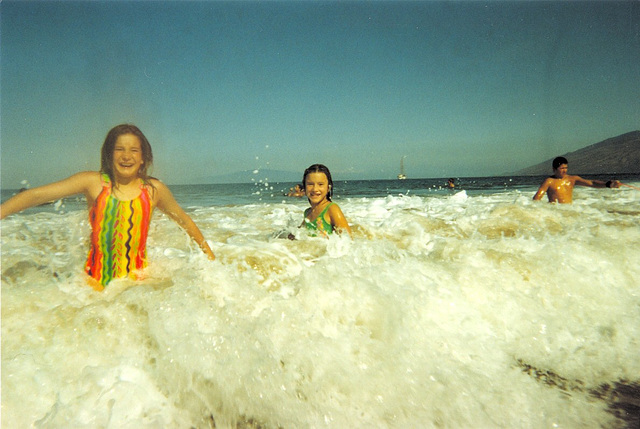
[{"x": 476, "y": 307}]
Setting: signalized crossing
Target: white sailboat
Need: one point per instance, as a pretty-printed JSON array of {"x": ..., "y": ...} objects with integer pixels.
[{"x": 402, "y": 176}]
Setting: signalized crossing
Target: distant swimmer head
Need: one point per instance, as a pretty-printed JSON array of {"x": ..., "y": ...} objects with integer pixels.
[
  {"x": 558, "y": 161},
  {"x": 317, "y": 169}
]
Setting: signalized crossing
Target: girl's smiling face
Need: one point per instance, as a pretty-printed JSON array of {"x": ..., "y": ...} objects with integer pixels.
[
  {"x": 127, "y": 156},
  {"x": 316, "y": 187}
]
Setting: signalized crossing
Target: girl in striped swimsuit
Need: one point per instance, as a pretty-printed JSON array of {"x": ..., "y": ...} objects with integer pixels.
[{"x": 121, "y": 198}]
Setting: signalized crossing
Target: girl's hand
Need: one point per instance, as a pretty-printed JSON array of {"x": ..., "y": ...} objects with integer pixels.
[{"x": 165, "y": 201}]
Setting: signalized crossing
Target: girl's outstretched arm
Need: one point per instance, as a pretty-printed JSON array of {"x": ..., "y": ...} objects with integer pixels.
[
  {"x": 87, "y": 183},
  {"x": 167, "y": 203},
  {"x": 338, "y": 221}
]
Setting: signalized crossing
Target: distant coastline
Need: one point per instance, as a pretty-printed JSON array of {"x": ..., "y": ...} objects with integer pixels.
[{"x": 616, "y": 155}]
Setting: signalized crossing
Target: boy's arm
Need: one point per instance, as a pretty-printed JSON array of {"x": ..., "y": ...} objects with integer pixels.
[
  {"x": 597, "y": 183},
  {"x": 167, "y": 203},
  {"x": 591, "y": 183},
  {"x": 87, "y": 183},
  {"x": 542, "y": 190}
]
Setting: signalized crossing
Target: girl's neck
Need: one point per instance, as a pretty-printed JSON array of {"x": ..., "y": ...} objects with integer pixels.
[
  {"x": 127, "y": 188},
  {"x": 320, "y": 205},
  {"x": 124, "y": 182}
]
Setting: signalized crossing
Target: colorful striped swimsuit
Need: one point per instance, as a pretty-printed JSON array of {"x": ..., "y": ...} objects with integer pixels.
[{"x": 118, "y": 234}]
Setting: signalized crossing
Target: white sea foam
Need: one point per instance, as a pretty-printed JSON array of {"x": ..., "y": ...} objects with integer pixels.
[{"x": 439, "y": 313}]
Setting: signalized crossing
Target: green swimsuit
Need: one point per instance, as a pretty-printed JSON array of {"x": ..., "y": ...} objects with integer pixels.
[{"x": 319, "y": 223}]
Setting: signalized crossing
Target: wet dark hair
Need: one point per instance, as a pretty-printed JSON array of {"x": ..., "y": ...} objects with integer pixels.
[
  {"x": 318, "y": 168},
  {"x": 558, "y": 161},
  {"x": 106, "y": 159}
]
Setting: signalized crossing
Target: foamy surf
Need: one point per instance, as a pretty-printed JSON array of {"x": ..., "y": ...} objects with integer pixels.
[{"x": 444, "y": 311}]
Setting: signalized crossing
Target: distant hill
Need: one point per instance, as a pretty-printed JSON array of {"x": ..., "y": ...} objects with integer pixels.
[{"x": 615, "y": 155}]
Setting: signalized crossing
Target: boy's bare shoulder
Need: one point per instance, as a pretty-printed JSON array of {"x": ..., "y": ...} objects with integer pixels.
[{"x": 548, "y": 182}]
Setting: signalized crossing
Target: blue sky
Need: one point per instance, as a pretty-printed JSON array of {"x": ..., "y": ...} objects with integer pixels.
[{"x": 459, "y": 88}]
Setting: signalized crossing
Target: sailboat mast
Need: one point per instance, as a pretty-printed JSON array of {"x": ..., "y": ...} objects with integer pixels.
[{"x": 402, "y": 175}]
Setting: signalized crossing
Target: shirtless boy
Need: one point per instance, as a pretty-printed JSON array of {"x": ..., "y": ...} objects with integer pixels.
[{"x": 559, "y": 187}]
